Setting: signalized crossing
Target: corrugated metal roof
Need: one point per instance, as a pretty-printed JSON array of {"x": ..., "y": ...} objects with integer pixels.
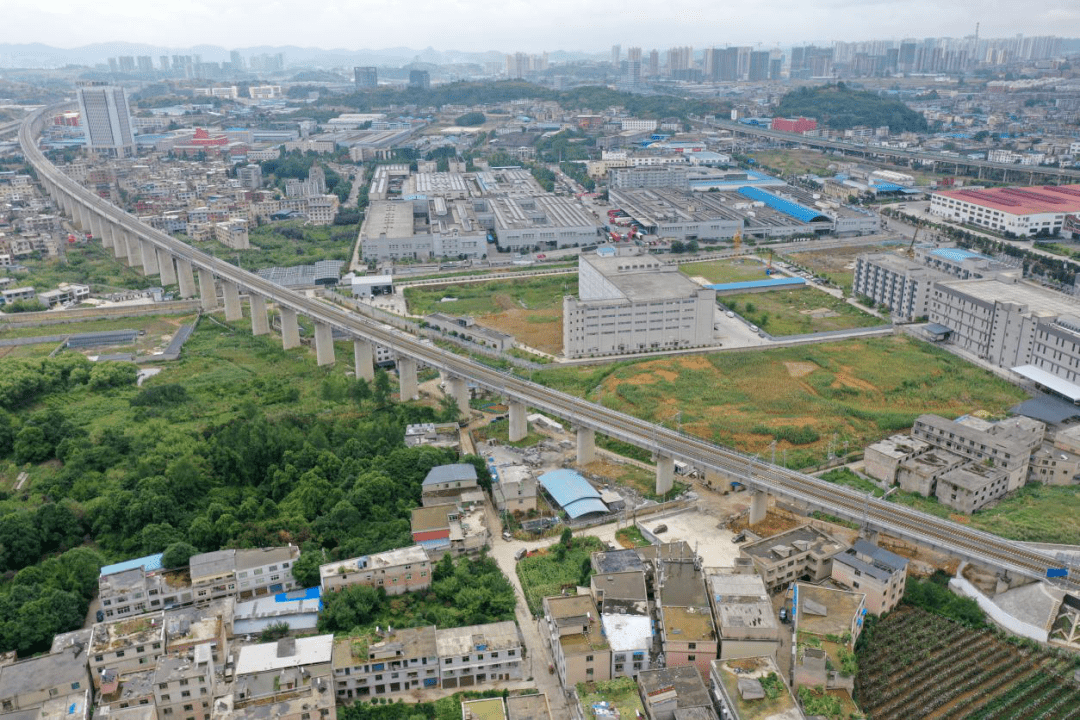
[
  {"x": 148, "y": 563},
  {"x": 572, "y": 493},
  {"x": 450, "y": 473},
  {"x": 957, "y": 254},
  {"x": 754, "y": 284},
  {"x": 787, "y": 207},
  {"x": 1051, "y": 382}
]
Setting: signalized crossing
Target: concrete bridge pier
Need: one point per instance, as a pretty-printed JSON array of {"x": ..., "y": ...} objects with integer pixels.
[
  {"x": 97, "y": 227},
  {"x": 759, "y": 506},
  {"x": 324, "y": 344},
  {"x": 408, "y": 388},
  {"x": 519, "y": 423},
  {"x": 108, "y": 234},
  {"x": 185, "y": 277},
  {"x": 665, "y": 474},
  {"x": 149, "y": 257},
  {"x": 290, "y": 329},
  {"x": 134, "y": 251},
  {"x": 207, "y": 290},
  {"x": 119, "y": 242},
  {"x": 458, "y": 389},
  {"x": 363, "y": 359},
  {"x": 165, "y": 267},
  {"x": 231, "y": 291},
  {"x": 82, "y": 217},
  {"x": 586, "y": 445},
  {"x": 260, "y": 324}
]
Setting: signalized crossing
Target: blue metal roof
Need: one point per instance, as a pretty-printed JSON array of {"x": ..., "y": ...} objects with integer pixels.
[
  {"x": 756, "y": 284},
  {"x": 572, "y": 493},
  {"x": 311, "y": 593},
  {"x": 450, "y": 473},
  {"x": 882, "y": 186},
  {"x": 957, "y": 254},
  {"x": 787, "y": 207},
  {"x": 148, "y": 563}
]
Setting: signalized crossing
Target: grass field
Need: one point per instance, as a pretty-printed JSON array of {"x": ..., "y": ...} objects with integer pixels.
[
  {"x": 546, "y": 572},
  {"x": 530, "y": 309},
  {"x": 837, "y": 264},
  {"x": 724, "y": 271},
  {"x": 857, "y": 390},
  {"x": 289, "y": 243},
  {"x": 88, "y": 263},
  {"x": 798, "y": 312}
]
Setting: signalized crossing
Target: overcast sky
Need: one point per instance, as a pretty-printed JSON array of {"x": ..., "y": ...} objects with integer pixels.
[{"x": 530, "y": 25}]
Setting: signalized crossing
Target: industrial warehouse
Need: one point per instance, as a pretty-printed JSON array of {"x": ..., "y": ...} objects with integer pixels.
[
  {"x": 753, "y": 211},
  {"x": 1022, "y": 211}
]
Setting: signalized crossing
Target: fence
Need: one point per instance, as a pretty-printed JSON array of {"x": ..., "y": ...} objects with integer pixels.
[{"x": 59, "y": 317}]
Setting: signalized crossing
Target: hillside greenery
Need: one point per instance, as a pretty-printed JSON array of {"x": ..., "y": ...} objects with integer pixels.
[
  {"x": 840, "y": 108},
  {"x": 587, "y": 98},
  {"x": 238, "y": 444}
]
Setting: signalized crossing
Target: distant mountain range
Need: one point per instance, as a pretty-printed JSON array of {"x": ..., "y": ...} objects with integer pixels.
[{"x": 38, "y": 55}]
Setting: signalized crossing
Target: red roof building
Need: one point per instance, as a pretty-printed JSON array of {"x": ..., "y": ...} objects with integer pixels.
[
  {"x": 794, "y": 125},
  {"x": 1021, "y": 211}
]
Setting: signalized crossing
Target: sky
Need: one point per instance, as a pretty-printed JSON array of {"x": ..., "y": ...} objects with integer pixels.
[{"x": 513, "y": 25}]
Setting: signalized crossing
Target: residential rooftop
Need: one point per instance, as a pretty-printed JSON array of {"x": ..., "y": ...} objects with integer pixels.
[
  {"x": 118, "y": 634},
  {"x": 485, "y": 709},
  {"x": 749, "y": 705},
  {"x": 404, "y": 643},
  {"x": 797, "y": 540},
  {"x": 682, "y": 585},
  {"x": 682, "y": 681},
  {"x": 287, "y": 652},
  {"x": 687, "y": 624},
  {"x": 528, "y": 707},
  {"x": 840, "y": 607},
  {"x": 377, "y": 561},
  {"x": 471, "y": 638}
]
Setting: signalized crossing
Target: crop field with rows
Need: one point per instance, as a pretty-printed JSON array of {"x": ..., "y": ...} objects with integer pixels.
[{"x": 915, "y": 664}]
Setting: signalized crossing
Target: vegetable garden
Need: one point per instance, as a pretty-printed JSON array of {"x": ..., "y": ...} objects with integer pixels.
[{"x": 916, "y": 664}]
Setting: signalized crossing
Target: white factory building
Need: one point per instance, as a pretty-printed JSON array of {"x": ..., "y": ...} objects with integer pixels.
[
  {"x": 1022, "y": 211},
  {"x": 633, "y": 304}
]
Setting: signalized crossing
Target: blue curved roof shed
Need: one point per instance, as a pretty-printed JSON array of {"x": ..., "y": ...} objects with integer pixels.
[
  {"x": 572, "y": 493},
  {"x": 957, "y": 254},
  {"x": 787, "y": 207}
]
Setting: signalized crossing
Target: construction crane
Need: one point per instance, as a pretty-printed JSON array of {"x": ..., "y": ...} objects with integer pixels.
[{"x": 911, "y": 247}]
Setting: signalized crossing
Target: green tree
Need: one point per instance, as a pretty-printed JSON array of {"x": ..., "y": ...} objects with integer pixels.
[
  {"x": 31, "y": 445},
  {"x": 382, "y": 388},
  {"x": 178, "y": 554}
]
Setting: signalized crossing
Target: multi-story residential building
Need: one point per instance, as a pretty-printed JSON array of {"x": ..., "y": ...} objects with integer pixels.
[
  {"x": 782, "y": 559},
  {"x": 184, "y": 686},
  {"x": 1004, "y": 445},
  {"x": 125, "y": 646},
  {"x": 650, "y": 176},
  {"x": 901, "y": 285},
  {"x": 66, "y": 294},
  {"x": 129, "y": 690},
  {"x": 447, "y": 483},
  {"x": 881, "y": 460},
  {"x": 477, "y": 654},
  {"x": 972, "y": 486},
  {"x": 32, "y": 683},
  {"x": 743, "y": 612},
  {"x": 293, "y": 675},
  {"x": 674, "y": 693},
  {"x": 232, "y": 233},
  {"x": 687, "y": 632},
  {"x": 634, "y": 303},
  {"x": 191, "y": 631},
  {"x": 243, "y": 573},
  {"x": 395, "y": 571},
  {"x": 515, "y": 489},
  {"x": 736, "y": 685},
  {"x": 577, "y": 639},
  {"x": 107, "y": 118},
  {"x": 631, "y": 640},
  {"x": 450, "y": 528},
  {"x": 386, "y": 663},
  {"x": 528, "y": 707},
  {"x": 874, "y": 571}
]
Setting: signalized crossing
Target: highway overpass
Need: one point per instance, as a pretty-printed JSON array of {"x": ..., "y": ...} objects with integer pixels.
[
  {"x": 157, "y": 253},
  {"x": 1056, "y": 173}
]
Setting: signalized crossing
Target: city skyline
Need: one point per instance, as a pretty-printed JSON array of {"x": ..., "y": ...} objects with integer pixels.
[{"x": 521, "y": 26}]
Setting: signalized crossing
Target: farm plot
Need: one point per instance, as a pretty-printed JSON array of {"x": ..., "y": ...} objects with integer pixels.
[
  {"x": 530, "y": 309},
  {"x": 915, "y": 664}
]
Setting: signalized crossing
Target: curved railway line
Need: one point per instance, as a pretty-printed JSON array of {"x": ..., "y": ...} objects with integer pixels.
[{"x": 895, "y": 519}]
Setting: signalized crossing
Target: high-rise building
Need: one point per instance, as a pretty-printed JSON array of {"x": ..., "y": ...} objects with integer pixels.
[
  {"x": 164, "y": 60},
  {"x": 633, "y": 66},
  {"x": 146, "y": 63},
  {"x": 107, "y": 119},
  {"x": 759, "y": 66},
  {"x": 616, "y": 54},
  {"x": 419, "y": 79},
  {"x": 654, "y": 64},
  {"x": 366, "y": 77},
  {"x": 127, "y": 63},
  {"x": 236, "y": 60}
]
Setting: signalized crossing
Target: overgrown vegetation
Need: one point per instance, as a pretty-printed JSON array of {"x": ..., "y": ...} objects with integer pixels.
[
  {"x": 547, "y": 572},
  {"x": 841, "y": 108},
  {"x": 465, "y": 592}
]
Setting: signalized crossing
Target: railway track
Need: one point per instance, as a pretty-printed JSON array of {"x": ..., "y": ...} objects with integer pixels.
[{"x": 973, "y": 544}]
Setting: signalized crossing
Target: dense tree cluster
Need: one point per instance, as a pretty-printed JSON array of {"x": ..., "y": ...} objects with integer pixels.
[
  {"x": 841, "y": 108},
  {"x": 337, "y": 484},
  {"x": 466, "y": 592}
]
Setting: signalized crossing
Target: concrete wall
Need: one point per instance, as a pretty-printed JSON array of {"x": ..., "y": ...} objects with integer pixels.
[{"x": 962, "y": 587}]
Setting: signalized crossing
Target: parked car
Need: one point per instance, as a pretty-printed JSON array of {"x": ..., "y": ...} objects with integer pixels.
[
  {"x": 741, "y": 537},
  {"x": 660, "y": 529},
  {"x": 520, "y": 554},
  {"x": 784, "y": 614},
  {"x": 730, "y": 314},
  {"x": 100, "y": 616},
  {"x": 507, "y": 535}
]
